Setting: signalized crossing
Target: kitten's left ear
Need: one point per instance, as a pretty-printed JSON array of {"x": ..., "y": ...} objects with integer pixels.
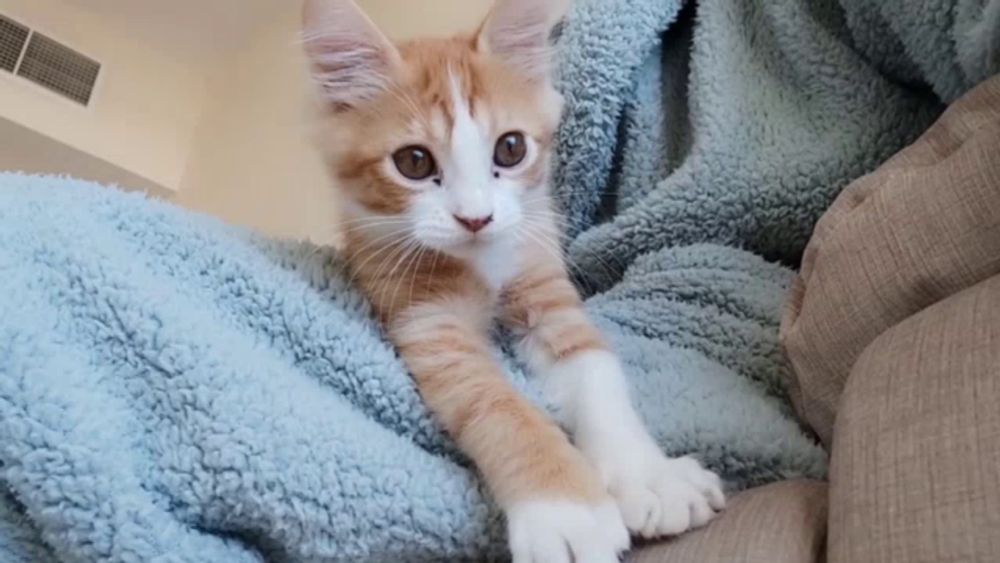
[{"x": 520, "y": 32}]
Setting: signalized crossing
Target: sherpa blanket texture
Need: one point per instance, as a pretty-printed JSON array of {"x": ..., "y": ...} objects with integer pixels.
[{"x": 173, "y": 389}]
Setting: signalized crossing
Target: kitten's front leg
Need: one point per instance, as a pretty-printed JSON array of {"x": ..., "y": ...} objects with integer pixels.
[
  {"x": 657, "y": 495},
  {"x": 584, "y": 380},
  {"x": 557, "y": 509}
]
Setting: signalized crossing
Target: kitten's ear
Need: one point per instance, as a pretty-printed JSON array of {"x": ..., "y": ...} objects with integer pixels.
[
  {"x": 350, "y": 58},
  {"x": 520, "y": 32}
]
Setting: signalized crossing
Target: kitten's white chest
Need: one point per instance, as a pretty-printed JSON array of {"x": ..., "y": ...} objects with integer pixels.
[{"x": 497, "y": 264}]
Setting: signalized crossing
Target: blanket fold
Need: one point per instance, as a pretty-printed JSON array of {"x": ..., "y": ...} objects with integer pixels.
[{"x": 783, "y": 103}]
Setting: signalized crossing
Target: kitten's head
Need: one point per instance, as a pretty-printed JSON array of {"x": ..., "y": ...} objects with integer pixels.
[{"x": 442, "y": 141}]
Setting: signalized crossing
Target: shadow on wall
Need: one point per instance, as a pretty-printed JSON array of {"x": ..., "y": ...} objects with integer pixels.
[{"x": 27, "y": 150}]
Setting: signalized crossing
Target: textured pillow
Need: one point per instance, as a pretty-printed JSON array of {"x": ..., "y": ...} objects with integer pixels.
[
  {"x": 922, "y": 227},
  {"x": 783, "y": 522},
  {"x": 915, "y": 467}
]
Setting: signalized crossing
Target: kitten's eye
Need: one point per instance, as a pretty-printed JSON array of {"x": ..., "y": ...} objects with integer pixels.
[
  {"x": 510, "y": 150},
  {"x": 414, "y": 162}
]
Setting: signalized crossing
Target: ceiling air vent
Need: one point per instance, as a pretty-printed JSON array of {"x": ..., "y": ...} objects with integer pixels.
[
  {"x": 47, "y": 62},
  {"x": 13, "y": 37},
  {"x": 55, "y": 66}
]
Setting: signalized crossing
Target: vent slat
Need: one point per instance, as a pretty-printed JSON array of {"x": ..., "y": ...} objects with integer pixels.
[
  {"x": 12, "y": 39},
  {"x": 55, "y": 66}
]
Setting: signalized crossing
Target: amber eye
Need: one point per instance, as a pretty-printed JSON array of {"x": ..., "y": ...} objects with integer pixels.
[
  {"x": 414, "y": 162},
  {"x": 510, "y": 150}
]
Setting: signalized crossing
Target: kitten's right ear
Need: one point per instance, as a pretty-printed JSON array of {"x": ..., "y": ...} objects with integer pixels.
[{"x": 350, "y": 58}]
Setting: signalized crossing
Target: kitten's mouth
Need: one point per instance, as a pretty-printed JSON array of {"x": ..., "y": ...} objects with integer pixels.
[
  {"x": 472, "y": 244},
  {"x": 475, "y": 241}
]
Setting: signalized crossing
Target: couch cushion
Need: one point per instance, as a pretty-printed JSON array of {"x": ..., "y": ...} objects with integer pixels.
[
  {"x": 915, "y": 467},
  {"x": 779, "y": 523},
  {"x": 922, "y": 227}
]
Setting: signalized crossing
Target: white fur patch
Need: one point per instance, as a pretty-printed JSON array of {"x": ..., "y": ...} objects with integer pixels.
[
  {"x": 470, "y": 167},
  {"x": 588, "y": 388},
  {"x": 497, "y": 263},
  {"x": 565, "y": 532},
  {"x": 656, "y": 495}
]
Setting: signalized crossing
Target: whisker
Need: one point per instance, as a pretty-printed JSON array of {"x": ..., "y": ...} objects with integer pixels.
[
  {"x": 555, "y": 253},
  {"x": 570, "y": 263},
  {"x": 361, "y": 222},
  {"x": 416, "y": 271},
  {"x": 392, "y": 245},
  {"x": 355, "y": 252},
  {"x": 397, "y": 260},
  {"x": 430, "y": 277},
  {"x": 559, "y": 218},
  {"x": 412, "y": 259}
]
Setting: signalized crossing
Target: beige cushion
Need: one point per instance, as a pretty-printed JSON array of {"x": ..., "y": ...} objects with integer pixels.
[
  {"x": 915, "y": 467},
  {"x": 922, "y": 227},
  {"x": 779, "y": 523}
]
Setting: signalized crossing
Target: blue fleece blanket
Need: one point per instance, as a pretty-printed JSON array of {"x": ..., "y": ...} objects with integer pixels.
[
  {"x": 738, "y": 122},
  {"x": 173, "y": 389}
]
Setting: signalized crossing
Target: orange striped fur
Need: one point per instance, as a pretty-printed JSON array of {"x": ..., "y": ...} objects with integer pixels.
[
  {"x": 440, "y": 149},
  {"x": 437, "y": 309}
]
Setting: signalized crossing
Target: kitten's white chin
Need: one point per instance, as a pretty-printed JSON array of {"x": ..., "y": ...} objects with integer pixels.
[
  {"x": 469, "y": 247},
  {"x": 493, "y": 258}
]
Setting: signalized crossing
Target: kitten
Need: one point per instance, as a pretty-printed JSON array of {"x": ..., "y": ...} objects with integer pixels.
[{"x": 440, "y": 150}]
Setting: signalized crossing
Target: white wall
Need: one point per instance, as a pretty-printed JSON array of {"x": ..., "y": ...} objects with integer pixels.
[
  {"x": 406, "y": 20},
  {"x": 145, "y": 109},
  {"x": 252, "y": 162}
]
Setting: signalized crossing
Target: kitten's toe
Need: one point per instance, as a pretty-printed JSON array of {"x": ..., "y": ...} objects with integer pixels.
[
  {"x": 708, "y": 483},
  {"x": 566, "y": 532},
  {"x": 660, "y": 496}
]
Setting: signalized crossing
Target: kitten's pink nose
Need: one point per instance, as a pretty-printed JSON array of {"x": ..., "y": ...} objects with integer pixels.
[{"x": 474, "y": 224}]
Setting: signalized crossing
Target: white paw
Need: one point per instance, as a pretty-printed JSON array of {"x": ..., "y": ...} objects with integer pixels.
[
  {"x": 566, "y": 532},
  {"x": 659, "y": 496}
]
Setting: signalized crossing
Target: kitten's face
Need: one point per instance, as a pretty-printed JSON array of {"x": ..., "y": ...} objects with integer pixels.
[{"x": 446, "y": 144}]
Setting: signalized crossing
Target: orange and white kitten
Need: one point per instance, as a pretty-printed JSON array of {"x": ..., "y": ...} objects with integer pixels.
[{"x": 440, "y": 149}]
